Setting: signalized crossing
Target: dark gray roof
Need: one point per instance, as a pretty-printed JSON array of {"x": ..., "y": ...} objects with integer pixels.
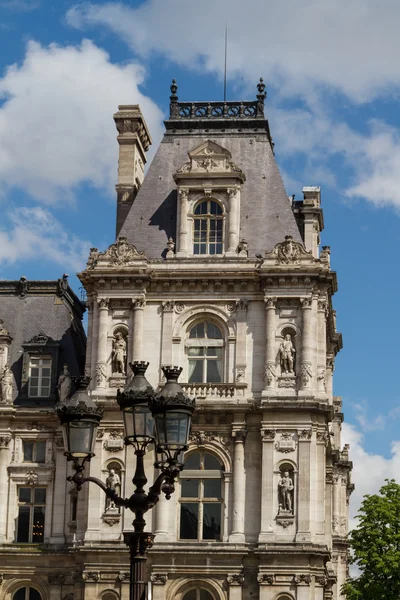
[{"x": 266, "y": 213}]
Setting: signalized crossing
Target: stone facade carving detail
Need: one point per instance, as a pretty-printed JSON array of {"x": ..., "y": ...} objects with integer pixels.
[
  {"x": 270, "y": 374},
  {"x": 325, "y": 256},
  {"x": 266, "y": 578},
  {"x": 159, "y": 578},
  {"x": 321, "y": 580},
  {"x": 305, "y": 434},
  {"x": 171, "y": 248},
  {"x": 285, "y": 521},
  {"x": 210, "y": 157},
  {"x": 289, "y": 251},
  {"x": 31, "y": 477},
  {"x": 100, "y": 374},
  {"x": 239, "y": 435},
  {"x": 100, "y": 434},
  {"x": 111, "y": 519},
  {"x": 22, "y": 287},
  {"x": 287, "y": 354},
  {"x": 118, "y": 357},
  {"x": 268, "y": 434},
  {"x": 91, "y": 576},
  {"x": 321, "y": 380},
  {"x": 322, "y": 437},
  {"x": 243, "y": 247},
  {"x": 4, "y": 441},
  {"x": 306, "y": 579},
  {"x": 123, "y": 576},
  {"x": 64, "y": 384},
  {"x": 115, "y": 441},
  {"x": 202, "y": 437},
  {"x": 103, "y": 302},
  {"x": 306, "y": 374},
  {"x": 6, "y": 384},
  {"x": 270, "y": 302},
  {"x": 121, "y": 253},
  {"x": 240, "y": 373},
  {"x": 286, "y": 442},
  {"x": 168, "y": 305},
  {"x": 179, "y": 307},
  {"x": 3, "y": 330},
  {"x": 235, "y": 578},
  {"x": 1, "y": 577},
  {"x": 138, "y": 303}
]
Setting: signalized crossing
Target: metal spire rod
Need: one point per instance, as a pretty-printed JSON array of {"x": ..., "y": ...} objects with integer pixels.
[{"x": 226, "y": 51}]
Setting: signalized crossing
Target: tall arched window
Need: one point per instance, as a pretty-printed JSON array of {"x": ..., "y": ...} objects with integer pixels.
[
  {"x": 198, "y": 594},
  {"x": 201, "y": 497},
  {"x": 205, "y": 347},
  {"x": 27, "y": 593},
  {"x": 208, "y": 228}
]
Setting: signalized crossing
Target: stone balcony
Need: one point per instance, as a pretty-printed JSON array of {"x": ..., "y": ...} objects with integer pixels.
[{"x": 213, "y": 391}]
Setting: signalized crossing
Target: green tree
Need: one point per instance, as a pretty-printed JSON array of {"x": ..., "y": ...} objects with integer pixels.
[{"x": 375, "y": 547}]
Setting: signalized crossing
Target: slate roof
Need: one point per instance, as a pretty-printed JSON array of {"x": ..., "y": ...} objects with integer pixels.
[{"x": 266, "y": 213}]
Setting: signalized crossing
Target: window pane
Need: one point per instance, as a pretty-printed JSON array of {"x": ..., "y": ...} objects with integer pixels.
[
  {"x": 40, "y": 452},
  {"x": 197, "y": 331},
  {"x": 211, "y": 521},
  {"x": 214, "y": 371},
  {"x": 204, "y": 595},
  {"x": 190, "y": 488},
  {"x": 189, "y": 521},
  {"x": 28, "y": 451},
  {"x": 24, "y": 494},
  {"x": 45, "y": 372},
  {"x": 20, "y": 595},
  {"x": 23, "y": 524},
  {"x": 211, "y": 463},
  {"x": 46, "y": 362},
  {"x": 33, "y": 391},
  {"x": 40, "y": 495},
  {"x": 191, "y": 595},
  {"x": 38, "y": 525},
  {"x": 45, "y": 391},
  {"x": 34, "y": 594},
  {"x": 34, "y": 372},
  {"x": 213, "y": 332},
  {"x": 192, "y": 461},
  {"x": 215, "y": 208},
  {"x": 195, "y": 371},
  {"x": 212, "y": 488},
  {"x": 199, "y": 351}
]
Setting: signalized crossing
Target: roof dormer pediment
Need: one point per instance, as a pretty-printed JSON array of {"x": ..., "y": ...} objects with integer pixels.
[{"x": 209, "y": 158}]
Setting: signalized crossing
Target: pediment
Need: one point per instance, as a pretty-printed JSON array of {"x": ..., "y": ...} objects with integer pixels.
[{"x": 210, "y": 157}]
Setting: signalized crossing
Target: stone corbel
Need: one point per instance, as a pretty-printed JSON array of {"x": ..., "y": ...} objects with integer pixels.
[
  {"x": 235, "y": 578},
  {"x": 159, "y": 578},
  {"x": 266, "y": 578}
]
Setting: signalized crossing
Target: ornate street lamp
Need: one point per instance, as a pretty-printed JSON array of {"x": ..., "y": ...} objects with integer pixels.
[{"x": 163, "y": 419}]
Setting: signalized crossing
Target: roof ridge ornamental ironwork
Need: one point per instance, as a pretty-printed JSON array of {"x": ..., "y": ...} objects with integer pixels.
[{"x": 253, "y": 109}]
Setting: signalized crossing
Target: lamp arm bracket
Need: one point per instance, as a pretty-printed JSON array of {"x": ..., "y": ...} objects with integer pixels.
[{"x": 79, "y": 479}]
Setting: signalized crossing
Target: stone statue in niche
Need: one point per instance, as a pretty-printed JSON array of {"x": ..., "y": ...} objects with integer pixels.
[
  {"x": 64, "y": 384},
  {"x": 287, "y": 353},
  {"x": 119, "y": 354},
  {"x": 113, "y": 482},
  {"x": 6, "y": 381},
  {"x": 285, "y": 492}
]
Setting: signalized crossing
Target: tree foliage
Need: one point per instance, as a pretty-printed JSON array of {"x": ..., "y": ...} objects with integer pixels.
[{"x": 375, "y": 547}]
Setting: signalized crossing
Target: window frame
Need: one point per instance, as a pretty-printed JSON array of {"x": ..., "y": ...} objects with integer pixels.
[
  {"x": 32, "y": 504},
  {"x": 40, "y": 377},
  {"x": 34, "y": 451},
  {"x": 27, "y": 589},
  {"x": 205, "y": 358},
  {"x": 207, "y": 218},
  {"x": 200, "y": 475}
]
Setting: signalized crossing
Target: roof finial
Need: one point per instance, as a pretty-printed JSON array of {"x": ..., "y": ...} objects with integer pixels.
[
  {"x": 173, "y": 99},
  {"x": 261, "y": 90}
]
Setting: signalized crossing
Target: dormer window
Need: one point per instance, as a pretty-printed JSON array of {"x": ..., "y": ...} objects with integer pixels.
[{"x": 208, "y": 228}]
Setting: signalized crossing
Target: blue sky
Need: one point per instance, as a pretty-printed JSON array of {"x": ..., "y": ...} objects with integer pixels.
[{"x": 333, "y": 84}]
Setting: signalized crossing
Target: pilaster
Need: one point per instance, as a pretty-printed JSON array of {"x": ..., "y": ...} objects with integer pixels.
[
  {"x": 267, "y": 483},
  {"x": 270, "y": 351},
  {"x": 239, "y": 485},
  {"x": 5, "y": 439},
  {"x": 101, "y": 364},
  {"x": 138, "y": 305},
  {"x": 304, "y": 508},
  {"x": 306, "y": 369}
]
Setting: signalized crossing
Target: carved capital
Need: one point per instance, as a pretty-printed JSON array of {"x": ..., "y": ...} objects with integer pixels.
[
  {"x": 321, "y": 580},
  {"x": 168, "y": 305},
  {"x": 103, "y": 303},
  {"x": 239, "y": 435},
  {"x": 302, "y": 579},
  {"x": 159, "y": 578},
  {"x": 306, "y": 302},
  {"x": 235, "y": 578},
  {"x": 305, "y": 434},
  {"x": 4, "y": 441},
  {"x": 138, "y": 303},
  {"x": 123, "y": 576},
  {"x": 268, "y": 435},
  {"x": 266, "y": 578},
  {"x": 91, "y": 576},
  {"x": 270, "y": 302}
]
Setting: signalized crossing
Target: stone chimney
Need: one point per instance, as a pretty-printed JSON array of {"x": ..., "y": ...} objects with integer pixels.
[
  {"x": 134, "y": 141},
  {"x": 310, "y": 219}
]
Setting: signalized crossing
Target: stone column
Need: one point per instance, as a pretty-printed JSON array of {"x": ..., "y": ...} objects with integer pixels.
[
  {"x": 336, "y": 502},
  {"x": 183, "y": 248},
  {"x": 162, "y": 518},
  {"x": 239, "y": 486},
  {"x": 306, "y": 348},
  {"x": 158, "y": 581},
  {"x": 166, "y": 336},
  {"x": 88, "y": 361},
  {"x": 101, "y": 364},
  {"x": 241, "y": 354},
  {"x": 60, "y": 495},
  {"x": 303, "y": 484},
  {"x": 227, "y": 495},
  {"x": 330, "y": 366},
  {"x": 235, "y": 583},
  {"x": 303, "y": 586},
  {"x": 93, "y": 340},
  {"x": 234, "y": 220},
  {"x": 270, "y": 349},
  {"x": 321, "y": 353},
  {"x": 267, "y": 488},
  {"x": 138, "y": 309},
  {"x": 265, "y": 581},
  {"x": 4, "y": 462}
]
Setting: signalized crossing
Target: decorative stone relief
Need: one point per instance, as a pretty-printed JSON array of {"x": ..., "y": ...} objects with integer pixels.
[
  {"x": 289, "y": 251},
  {"x": 239, "y": 435},
  {"x": 268, "y": 435},
  {"x": 321, "y": 580},
  {"x": 159, "y": 578},
  {"x": 235, "y": 578},
  {"x": 115, "y": 441},
  {"x": 123, "y": 576},
  {"x": 270, "y": 374},
  {"x": 243, "y": 248},
  {"x": 100, "y": 434},
  {"x": 31, "y": 477},
  {"x": 179, "y": 307},
  {"x": 306, "y": 579},
  {"x": 321, "y": 381},
  {"x": 4, "y": 441},
  {"x": 240, "y": 373},
  {"x": 202, "y": 437},
  {"x": 100, "y": 374},
  {"x": 306, "y": 374},
  {"x": 168, "y": 305},
  {"x": 286, "y": 442},
  {"x": 91, "y": 576},
  {"x": 120, "y": 253},
  {"x": 113, "y": 482},
  {"x": 1, "y": 577},
  {"x": 103, "y": 302},
  {"x": 323, "y": 437},
  {"x": 138, "y": 303},
  {"x": 265, "y": 578},
  {"x": 305, "y": 434},
  {"x": 171, "y": 248},
  {"x": 111, "y": 519}
]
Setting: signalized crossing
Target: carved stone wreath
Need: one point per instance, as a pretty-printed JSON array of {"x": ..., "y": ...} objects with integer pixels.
[{"x": 289, "y": 252}]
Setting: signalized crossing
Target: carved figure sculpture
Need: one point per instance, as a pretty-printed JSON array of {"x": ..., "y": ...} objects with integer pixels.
[
  {"x": 285, "y": 490},
  {"x": 6, "y": 381},
  {"x": 64, "y": 384},
  {"x": 287, "y": 352},
  {"x": 113, "y": 482},
  {"x": 119, "y": 354}
]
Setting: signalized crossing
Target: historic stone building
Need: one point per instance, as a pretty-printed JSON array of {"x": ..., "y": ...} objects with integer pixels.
[{"x": 214, "y": 269}]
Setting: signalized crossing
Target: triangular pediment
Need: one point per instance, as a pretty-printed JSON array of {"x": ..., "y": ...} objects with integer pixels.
[
  {"x": 209, "y": 148},
  {"x": 210, "y": 157}
]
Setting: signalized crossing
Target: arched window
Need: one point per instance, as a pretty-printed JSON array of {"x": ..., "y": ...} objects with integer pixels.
[
  {"x": 27, "y": 593},
  {"x": 198, "y": 594},
  {"x": 205, "y": 346},
  {"x": 201, "y": 497},
  {"x": 208, "y": 228}
]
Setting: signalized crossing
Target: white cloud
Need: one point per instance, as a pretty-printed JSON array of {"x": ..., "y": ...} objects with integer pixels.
[
  {"x": 34, "y": 234},
  {"x": 366, "y": 422},
  {"x": 351, "y": 46},
  {"x": 369, "y": 470},
  {"x": 56, "y": 125}
]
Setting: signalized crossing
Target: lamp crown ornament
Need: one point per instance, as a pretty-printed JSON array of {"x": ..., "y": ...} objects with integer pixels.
[{"x": 138, "y": 389}]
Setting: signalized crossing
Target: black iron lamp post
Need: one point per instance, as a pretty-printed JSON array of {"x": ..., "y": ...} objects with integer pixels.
[{"x": 161, "y": 418}]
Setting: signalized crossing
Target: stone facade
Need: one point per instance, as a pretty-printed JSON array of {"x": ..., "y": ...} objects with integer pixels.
[{"x": 217, "y": 271}]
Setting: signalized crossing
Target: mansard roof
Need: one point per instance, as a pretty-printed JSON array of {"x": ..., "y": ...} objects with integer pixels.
[{"x": 238, "y": 130}]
